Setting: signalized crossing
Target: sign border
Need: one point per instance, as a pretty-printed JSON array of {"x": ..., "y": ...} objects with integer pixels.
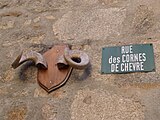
[{"x": 152, "y": 50}]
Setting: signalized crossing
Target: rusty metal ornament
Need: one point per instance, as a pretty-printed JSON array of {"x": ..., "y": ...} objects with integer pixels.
[
  {"x": 36, "y": 57},
  {"x": 57, "y": 65},
  {"x": 76, "y": 58}
]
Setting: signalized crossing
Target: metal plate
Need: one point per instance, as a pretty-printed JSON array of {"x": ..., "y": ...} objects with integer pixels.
[{"x": 128, "y": 58}]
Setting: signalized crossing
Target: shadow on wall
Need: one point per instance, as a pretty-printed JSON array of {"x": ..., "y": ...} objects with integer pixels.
[{"x": 86, "y": 72}]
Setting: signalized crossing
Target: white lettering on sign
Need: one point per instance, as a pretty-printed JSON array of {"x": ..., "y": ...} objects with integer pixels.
[
  {"x": 138, "y": 66},
  {"x": 114, "y": 60},
  {"x": 114, "y": 68},
  {"x": 126, "y": 49},
  {"x": 128, "y": 61},
  {"x": 134, "y": 57}
]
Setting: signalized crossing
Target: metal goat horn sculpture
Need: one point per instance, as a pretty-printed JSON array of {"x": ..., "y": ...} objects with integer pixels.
[
  {"x": 55, "y": 65},
  {"x": 30, "y": 55},
  {"x": 76, "y": 58}
]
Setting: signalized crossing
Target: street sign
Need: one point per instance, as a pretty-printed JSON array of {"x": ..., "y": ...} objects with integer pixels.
[{"x": 128, "y": 58}]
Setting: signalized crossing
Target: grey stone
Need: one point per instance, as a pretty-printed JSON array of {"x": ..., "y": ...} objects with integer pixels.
[
  {"x": 90, "y": 24},
  {"x": 105, "y": 106}
]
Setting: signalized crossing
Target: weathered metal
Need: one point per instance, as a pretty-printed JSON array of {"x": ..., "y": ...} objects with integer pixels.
[
  {"x": 30, "y": 55},
  {"x": 55, "y": 65},
  {"x": 61, "y": 63},
  {"x": 76, "y": 58}
]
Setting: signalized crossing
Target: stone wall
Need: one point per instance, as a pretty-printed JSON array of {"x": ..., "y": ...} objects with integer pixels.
[{"x": 89, "y": 25}]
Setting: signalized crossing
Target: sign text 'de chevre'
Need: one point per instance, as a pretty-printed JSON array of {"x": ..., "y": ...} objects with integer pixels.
[{"x": 128, "y": 58}]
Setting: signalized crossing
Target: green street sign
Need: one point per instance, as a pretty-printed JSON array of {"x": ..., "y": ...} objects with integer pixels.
[{"x": 128, "y": 58}]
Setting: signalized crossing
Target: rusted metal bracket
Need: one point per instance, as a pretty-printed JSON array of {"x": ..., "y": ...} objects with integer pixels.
[{"x": 55, "y": 65}]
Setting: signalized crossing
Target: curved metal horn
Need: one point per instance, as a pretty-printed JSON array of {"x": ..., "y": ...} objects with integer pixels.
[
  {"x": 31, "y": 55},
  {"x": 76, "y": 58},
  {"x": 61, "y": 63}
]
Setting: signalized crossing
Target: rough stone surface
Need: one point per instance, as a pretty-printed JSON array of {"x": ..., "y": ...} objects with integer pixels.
[
  {"x": 17, "y": 113},
  {"x": 97, "y": 104},
  {"x": 48, "y": 112},
  {"x": 82, "y": 25},
  {"x": 88, "y": 25}
]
